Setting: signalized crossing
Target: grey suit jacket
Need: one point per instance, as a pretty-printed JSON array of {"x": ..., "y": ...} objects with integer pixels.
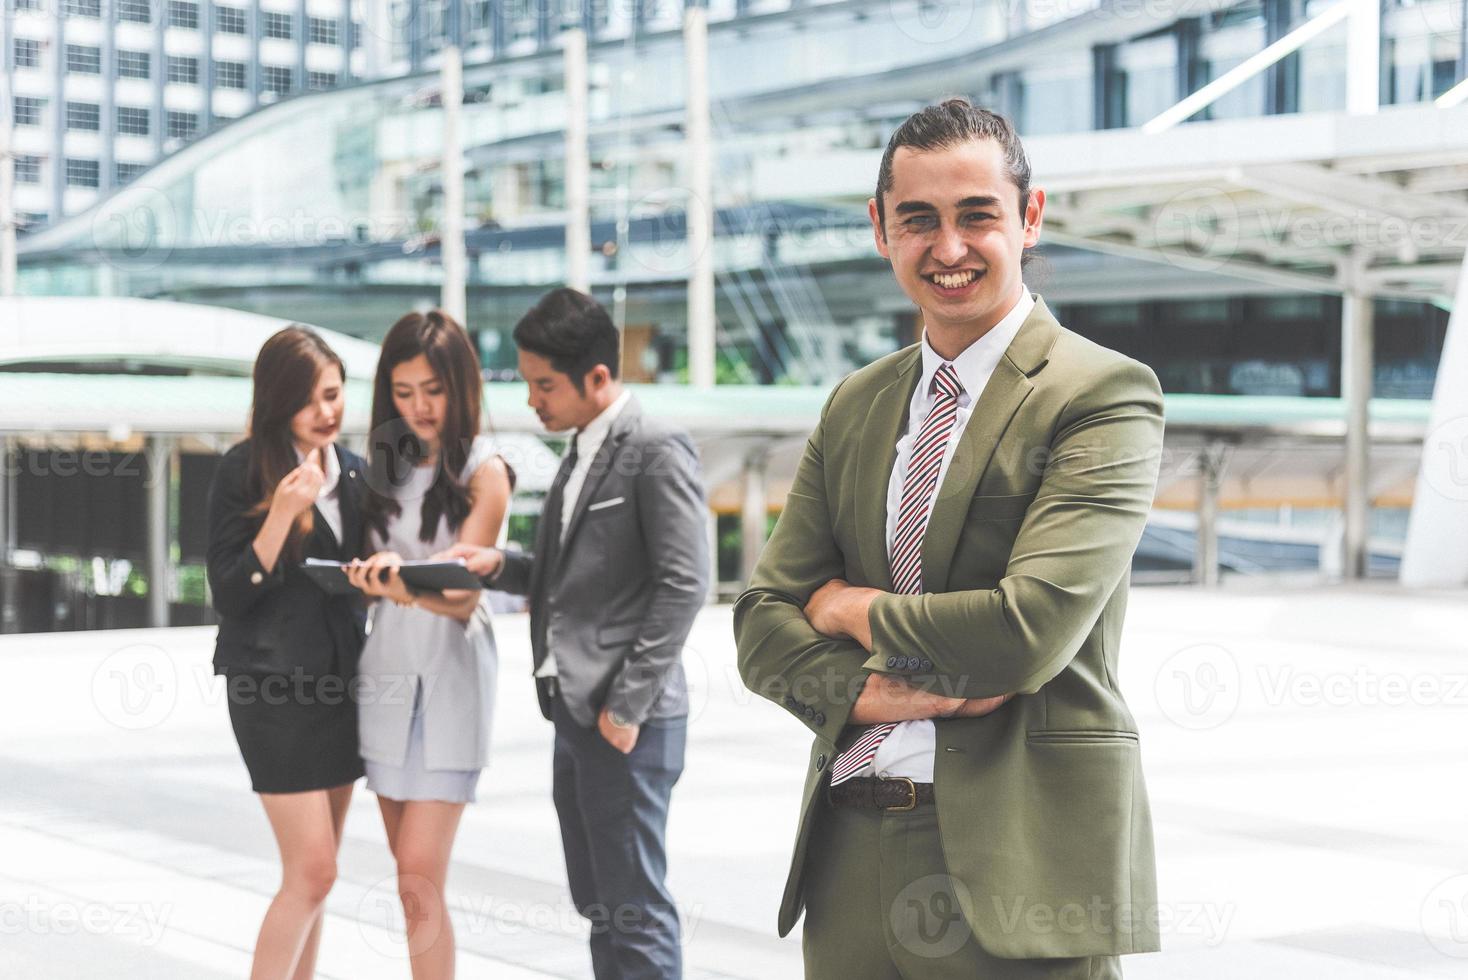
[{"x": 631, "y": 575}]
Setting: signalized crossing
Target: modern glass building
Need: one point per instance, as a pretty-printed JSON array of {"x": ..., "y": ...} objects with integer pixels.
[{"x": 102, "y": 89}]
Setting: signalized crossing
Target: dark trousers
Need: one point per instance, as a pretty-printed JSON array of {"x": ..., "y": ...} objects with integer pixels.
[{"x": 614, "y": 816}]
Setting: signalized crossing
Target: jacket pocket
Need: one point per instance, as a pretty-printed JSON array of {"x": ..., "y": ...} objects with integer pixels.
[
  {"x": 1080, "y": 737},
  {"x": 618, "y": 635},
  {"x": 999, "y": 507}
]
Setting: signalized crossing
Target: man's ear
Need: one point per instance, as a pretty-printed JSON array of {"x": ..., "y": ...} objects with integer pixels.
[
  {"x": 878, "y": 235},
  {"x": 1034, "y": 216}
]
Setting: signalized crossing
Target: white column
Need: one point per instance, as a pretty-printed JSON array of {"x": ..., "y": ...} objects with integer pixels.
[
  {"x": 754, "y": 513},
  {"x": 159, "y": 453},
  {"x": 1436, "y": 552},
  {"x": 1211, "y": 463},
  {"x": 1363, "y": 57},
  {"x": 1356, "y": 368},
  {"x": 7, "y": 191},
  {"x": 451, "y": 228},
  {"x": 700, "y": 201},
  {"x": 578, "y": 164}
]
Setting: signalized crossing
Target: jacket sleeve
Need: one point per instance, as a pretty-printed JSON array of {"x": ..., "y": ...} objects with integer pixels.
[
  {"x": 514, "y": 572},
  {"x": 673, "y": 511},
  {"x": 237, "y": 580},
  {"x": 781, "y": 656},
  {"x": 1075, "y": 543}
]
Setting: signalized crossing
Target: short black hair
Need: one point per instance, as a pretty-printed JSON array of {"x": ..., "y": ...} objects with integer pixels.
[
  {"x": 948, "y": 124},
  {"x": 573, "y": 332}
]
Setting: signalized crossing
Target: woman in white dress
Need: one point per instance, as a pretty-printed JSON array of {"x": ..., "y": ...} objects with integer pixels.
[{"x": 428, "y": 670}]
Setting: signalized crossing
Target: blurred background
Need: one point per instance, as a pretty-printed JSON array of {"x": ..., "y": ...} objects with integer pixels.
[{"x": 1266, "y": 202}]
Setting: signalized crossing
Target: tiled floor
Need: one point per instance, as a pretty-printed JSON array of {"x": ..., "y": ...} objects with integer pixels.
[{"x": 1305, "y": 751}]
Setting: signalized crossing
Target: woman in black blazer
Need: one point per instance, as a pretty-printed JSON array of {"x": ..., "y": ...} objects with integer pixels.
[{"x": 289, "y": 649}]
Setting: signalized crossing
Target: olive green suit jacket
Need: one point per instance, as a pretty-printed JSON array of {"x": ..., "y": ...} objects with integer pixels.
[{"x": 1043, "y": 814}]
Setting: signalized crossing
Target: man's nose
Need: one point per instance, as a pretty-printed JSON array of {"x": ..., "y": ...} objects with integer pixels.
[{"x": 950, "y": 247}]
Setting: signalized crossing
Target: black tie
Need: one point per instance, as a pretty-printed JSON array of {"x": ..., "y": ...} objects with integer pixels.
[{"x": 555, "y": 504}]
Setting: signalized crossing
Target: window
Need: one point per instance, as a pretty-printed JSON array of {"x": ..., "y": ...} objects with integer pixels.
[
  {"x": 229, "y": 20},
  {"x": 184, "y": 70},
  {"x": 319, "y": 30},
  {"x": 135, "y": 11},
  {"x": 183, "y": 13},
  {"x": 27, "y": 169},
  {"x": 27, "y": 52},
  {"x": 229, "y": 74},
  {"x": 85, "y": 116},
  {"x": 132, "y": 121},
  {"x": 29, "y": 220},
  {"x": 321, "y": 79},
  {"x": 277, "y": 25},
  {"x": 134, "y": 64},
  {"x": 28, "y": 109},
  {"x": 276, "y": 79},
  {"x": 182, "y": 125},
  {"x": 27, "y": 4},
  {"x": 82, "y": 8},
  {"x": 83, "y": 59},
  {"x": 126, "y": 173},
  {"x": 82, "y": 173}
]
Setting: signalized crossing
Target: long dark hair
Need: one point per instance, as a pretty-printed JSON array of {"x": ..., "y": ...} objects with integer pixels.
[
  {"x": 393, "y": 449},
  {"x": 287, "y": 370}
]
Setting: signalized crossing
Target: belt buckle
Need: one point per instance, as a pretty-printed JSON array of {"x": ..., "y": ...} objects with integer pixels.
[{"x": 911, "y": 803}]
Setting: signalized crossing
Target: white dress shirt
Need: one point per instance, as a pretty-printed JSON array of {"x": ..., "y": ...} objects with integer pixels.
[
  {"x": 588, "y": 441},
  {"x": 909, "y": 750},
  {"x": 327, "y": 501}
]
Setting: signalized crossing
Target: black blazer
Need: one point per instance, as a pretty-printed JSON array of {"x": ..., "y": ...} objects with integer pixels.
[{"x": 279, "y": 621}]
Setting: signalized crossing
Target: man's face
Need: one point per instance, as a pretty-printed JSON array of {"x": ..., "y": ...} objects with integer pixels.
[
  {"x": 955, "y": 234},
  {"x": 553, "y": 397}
]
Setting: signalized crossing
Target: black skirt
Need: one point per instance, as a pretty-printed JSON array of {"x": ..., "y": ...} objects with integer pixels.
[{"x": 297, "y": 732}]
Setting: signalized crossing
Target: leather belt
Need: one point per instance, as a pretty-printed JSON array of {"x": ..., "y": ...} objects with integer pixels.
[{"x": 868, "y": 793}]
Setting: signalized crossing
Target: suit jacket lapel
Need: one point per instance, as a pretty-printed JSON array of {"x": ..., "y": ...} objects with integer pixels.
[
  {"x": 1006, "y": 390},
  {"x": 349, "y": 484},
  {"x": 601, "y": 464},
  {"x": 876, "y": 456}
]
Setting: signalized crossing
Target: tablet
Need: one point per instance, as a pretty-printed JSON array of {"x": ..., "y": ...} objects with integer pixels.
[
  {"x": 330, "y": 576},
  {"x": 439, "y": 575}
]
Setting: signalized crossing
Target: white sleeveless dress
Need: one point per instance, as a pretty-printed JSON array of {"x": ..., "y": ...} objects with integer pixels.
[{"x": 427, "y": 682}]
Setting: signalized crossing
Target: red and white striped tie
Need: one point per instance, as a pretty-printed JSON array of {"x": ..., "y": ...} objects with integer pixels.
[{"x": 907, "y": 540}]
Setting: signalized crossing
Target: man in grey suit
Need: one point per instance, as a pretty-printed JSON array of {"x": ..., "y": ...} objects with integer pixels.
[{"x": 619, "y": 571}]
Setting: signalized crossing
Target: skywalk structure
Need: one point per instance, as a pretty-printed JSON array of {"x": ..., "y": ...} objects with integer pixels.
[{"x": 1264, "y": 201}]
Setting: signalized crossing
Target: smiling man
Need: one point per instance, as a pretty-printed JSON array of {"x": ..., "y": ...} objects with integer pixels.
[{"x": 941, "y": 604}]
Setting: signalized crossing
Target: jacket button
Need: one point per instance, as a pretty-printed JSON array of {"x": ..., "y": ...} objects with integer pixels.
[
  {"x": 891, "y": 662},
  {"x": 927, "y": 666},
  {"x": 820, "y": 762},
  {"x": 820, "y": 717},
  {"x": 810, "y": 712},
  {"x": 256, "y": 578}
]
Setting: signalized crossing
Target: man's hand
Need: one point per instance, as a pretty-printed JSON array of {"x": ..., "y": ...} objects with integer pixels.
[
  {"x": 839, "y": 610},
  {"x": 483, "y": 562},
  {"x": 623, "y": 738},
  {"x": 978, "y": 707}
]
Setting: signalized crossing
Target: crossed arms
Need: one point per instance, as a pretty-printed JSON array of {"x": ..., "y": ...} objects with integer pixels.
[{"x": 821, "y": 648}]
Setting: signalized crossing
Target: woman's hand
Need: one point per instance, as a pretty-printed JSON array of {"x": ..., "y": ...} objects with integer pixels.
[
  {"x": 378, "y": 576},
  {"x": 297, "y": 491},
  {"x": 481, "y": 561}
]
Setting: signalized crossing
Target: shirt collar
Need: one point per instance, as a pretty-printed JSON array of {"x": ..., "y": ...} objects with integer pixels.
[
  {"x": 978, "y": 359},
  {"x": 594, "y": 433},
  {"x": 333, "y": 469}
]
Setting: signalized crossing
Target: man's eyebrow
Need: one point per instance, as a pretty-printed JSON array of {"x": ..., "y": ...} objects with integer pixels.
[
  {"x": 910, "y": 207},
  {"x": 979, "y": 202}
]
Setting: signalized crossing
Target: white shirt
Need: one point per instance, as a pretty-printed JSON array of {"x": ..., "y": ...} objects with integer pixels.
[
  {"x": 909, "y": 750},
  {"x": 327, "y": 500},
  {"x": 588, "y": 441}
]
